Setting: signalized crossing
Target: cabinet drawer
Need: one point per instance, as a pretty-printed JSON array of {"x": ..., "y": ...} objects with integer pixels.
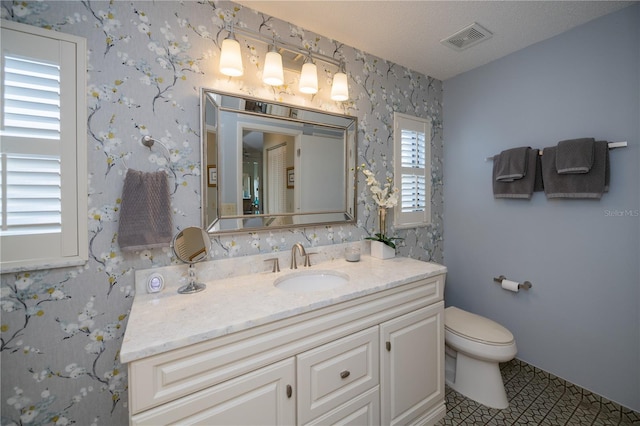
[
  {"x": 336, "y": 372},
  {"x": 257, "y": 398},
  {"x": 363, "y": 410}
]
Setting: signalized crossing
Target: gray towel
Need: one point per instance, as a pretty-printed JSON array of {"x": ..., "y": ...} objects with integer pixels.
[
  {"x": 145, "y": 211},
  {"x": 511, "y": 164},
  {"x": 574, "y": 156},
  {"x": 584, "y": 185},
  {"x": 522, "y": 188}
]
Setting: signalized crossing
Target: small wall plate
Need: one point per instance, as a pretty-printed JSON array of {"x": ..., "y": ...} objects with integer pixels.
[{"x": 155, "y": 283}]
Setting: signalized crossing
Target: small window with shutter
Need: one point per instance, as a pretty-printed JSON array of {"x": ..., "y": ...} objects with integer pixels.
[
  {"x": 43, "y": 173},
  {"x": 412, "y": 170}
]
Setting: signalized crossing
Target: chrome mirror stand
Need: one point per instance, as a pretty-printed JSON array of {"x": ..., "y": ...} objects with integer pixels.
[
  {"x": 192, "y": 245},
  {"x": 193, "y": 286}
]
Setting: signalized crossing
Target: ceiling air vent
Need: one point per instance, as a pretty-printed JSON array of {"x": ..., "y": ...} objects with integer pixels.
[{"x": 467, "y": 37}]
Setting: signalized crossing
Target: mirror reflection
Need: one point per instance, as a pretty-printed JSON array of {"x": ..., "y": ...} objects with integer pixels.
[
  {"x": 269, "y": 165},
  {"x": 191, "y": 245}
]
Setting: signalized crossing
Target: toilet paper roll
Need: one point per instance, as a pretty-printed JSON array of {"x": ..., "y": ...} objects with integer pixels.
[{"x": 510, "y": 285}]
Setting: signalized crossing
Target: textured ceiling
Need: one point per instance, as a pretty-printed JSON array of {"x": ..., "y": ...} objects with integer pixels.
[{"x": 409, "y": 32}]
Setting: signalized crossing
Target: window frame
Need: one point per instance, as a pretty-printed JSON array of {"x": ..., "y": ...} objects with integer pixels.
[
  {"x": 27, "y": 252},
  {"x": 404, "y": 121}
]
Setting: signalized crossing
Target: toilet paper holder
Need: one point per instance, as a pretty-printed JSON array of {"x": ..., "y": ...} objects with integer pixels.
[{"x": 525, "y": 285}]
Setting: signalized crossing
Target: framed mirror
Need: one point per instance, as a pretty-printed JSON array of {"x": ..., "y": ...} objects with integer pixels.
[{"x": 270, "y": 165}]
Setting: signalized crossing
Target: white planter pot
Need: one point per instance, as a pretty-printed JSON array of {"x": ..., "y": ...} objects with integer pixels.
[{"x": 381, "y": 250}]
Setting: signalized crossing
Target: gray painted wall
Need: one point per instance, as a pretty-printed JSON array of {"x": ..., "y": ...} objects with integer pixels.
[{"x": 581, "y": 319}]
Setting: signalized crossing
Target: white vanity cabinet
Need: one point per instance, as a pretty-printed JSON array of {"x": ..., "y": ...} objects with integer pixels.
[{"x": 372, "y": 360}]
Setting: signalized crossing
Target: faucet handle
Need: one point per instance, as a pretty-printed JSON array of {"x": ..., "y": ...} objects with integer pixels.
[
  {"x": 307, "y": 259},
  {"x": 276, "y": 264}
]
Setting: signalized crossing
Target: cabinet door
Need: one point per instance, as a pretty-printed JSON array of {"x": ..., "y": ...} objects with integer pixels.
[
  {"x": 262, "y": 397},
  {"x": 412, "y": 365}
]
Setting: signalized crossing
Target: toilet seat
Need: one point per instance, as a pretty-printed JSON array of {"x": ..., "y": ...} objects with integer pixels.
[{"x": 476, "y": 328}]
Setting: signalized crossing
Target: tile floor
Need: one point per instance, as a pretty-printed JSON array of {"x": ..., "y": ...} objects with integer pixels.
[{"x": 538, "y": 398}]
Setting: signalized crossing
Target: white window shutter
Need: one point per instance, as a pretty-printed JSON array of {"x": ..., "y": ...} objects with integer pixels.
[
  {"x": 412, "y": 170},
  {"x": 43, "y": 166},
  {"x": 33, "y": 196},
  {"x": 31, "y": 99}
]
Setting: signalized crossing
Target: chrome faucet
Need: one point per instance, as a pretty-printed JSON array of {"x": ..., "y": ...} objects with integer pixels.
[{"x": 303, "y": 253}]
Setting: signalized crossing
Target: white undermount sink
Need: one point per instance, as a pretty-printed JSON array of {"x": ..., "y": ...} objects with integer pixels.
[{"x": 311, "y": 281}]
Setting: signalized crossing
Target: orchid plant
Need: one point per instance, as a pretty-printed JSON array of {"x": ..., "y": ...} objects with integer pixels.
[{"x": 385, "y": 196}]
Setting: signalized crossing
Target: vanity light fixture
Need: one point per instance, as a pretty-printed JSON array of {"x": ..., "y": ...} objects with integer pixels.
[
  {"x": 309, "y": 77},
  {"x": 273, "y": 73},
  {"x": 230, "y": 56},
  {"x": 340, "y": 86}
]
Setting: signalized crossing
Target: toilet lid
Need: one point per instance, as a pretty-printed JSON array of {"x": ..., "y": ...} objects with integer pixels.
[{"x": 475, "y": 327}]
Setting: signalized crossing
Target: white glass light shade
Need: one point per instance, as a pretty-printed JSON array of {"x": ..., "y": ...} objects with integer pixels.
[
  {"x": 231, "y": 58},
  {"x": 273, "y": 73},
  {"x": 340, "y": 87},
  {"x": 309, "y": 78}
]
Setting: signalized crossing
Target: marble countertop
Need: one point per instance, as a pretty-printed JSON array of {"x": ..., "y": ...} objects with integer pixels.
[{"x": 164, "y": 321}]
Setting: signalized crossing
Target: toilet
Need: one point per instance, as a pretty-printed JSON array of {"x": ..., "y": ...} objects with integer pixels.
[{"x": 474, "y": 348}]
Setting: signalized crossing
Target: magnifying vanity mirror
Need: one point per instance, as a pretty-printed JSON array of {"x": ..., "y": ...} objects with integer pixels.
[
  {"x": 192, "y": 245},
  {"x": 270, "y": 165}
]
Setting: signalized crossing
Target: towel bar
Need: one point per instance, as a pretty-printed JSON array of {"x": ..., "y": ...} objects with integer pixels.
[
  {"x": 612, "y": 145},
  {"x": 525, "y": 285},
  {"x": 147, "y": 141}
]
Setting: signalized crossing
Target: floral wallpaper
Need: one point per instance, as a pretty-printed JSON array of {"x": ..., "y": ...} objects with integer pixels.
[{"x": 61, "y": 329}]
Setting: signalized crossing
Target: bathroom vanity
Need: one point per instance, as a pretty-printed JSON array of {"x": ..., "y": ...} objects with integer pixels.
[{"x": 244, "y": 351}]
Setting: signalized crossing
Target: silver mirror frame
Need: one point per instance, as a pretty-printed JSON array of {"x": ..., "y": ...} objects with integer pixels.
[{"x": 228, "y": 224}]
